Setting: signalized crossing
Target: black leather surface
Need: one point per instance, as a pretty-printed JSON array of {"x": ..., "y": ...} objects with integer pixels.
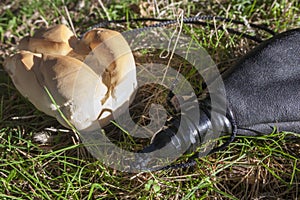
[{"x": 263, "y": 89}]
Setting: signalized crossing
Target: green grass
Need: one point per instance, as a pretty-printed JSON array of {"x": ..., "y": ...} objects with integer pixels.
[{"x": 265, "y": 167}]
